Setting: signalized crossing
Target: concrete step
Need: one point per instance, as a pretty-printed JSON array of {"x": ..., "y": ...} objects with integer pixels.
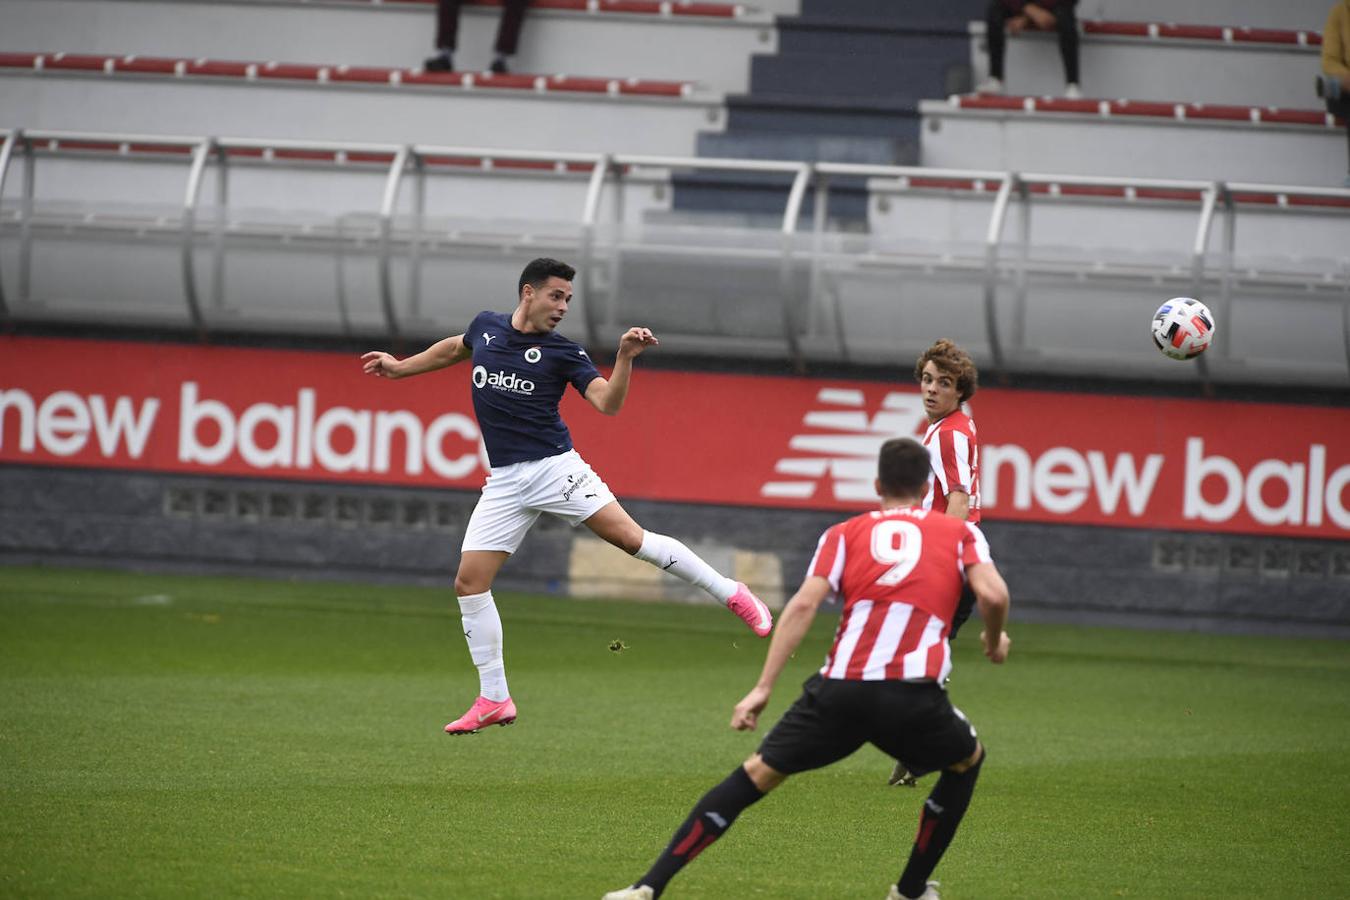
[
  {"x": 883, "y": 151},
  {"x": 910, "y": 13},
  {"x": 766, "y": 194},
  {"x": 891, "y": 77},
  {"x": 839, "y": 115},
  {"x": 803, "y": 35}
]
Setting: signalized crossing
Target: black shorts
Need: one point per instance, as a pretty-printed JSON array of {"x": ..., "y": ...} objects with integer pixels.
[{"x": 912, "y": 721}]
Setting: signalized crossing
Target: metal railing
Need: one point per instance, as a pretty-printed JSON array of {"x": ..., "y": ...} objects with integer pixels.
[{"x": 607, "y": 171}]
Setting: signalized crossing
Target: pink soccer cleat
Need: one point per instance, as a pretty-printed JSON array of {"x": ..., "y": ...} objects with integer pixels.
[
  {"x": 483, "y": 713},
  {"x": 752, "y": 610}
]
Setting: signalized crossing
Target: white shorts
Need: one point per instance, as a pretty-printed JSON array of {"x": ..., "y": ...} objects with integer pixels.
[{"x": 515, "y": 495}]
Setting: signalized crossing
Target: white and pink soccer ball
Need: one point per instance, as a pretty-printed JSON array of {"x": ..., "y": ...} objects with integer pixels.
[{"x": 1183, "y": 328}]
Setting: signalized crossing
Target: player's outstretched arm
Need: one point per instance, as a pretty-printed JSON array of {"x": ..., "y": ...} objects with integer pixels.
[
  {"x": 991, "y": 594},
  {"x": 792, "y": 627},
  {"x": 443, "y": 353},
  {"x": 608, "y": 394}
]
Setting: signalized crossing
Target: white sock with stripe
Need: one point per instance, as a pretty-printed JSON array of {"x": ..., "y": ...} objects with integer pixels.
[
  {"x": 483, "y": 631},
  {"x": 671, "y": 556}
]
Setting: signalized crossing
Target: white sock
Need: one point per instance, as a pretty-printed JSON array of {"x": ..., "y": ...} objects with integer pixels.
[
  {"x": 483, "y": 631},
  {"x": 670, "y": 555}
]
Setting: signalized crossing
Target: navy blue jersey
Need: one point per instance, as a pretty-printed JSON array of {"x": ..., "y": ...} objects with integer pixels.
[{"x": 518, "y": 381}]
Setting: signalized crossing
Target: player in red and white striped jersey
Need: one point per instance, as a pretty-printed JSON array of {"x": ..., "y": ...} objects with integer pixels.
[
  {"x": 947, "y": 378},
  {"x": 899, "y": 572}
]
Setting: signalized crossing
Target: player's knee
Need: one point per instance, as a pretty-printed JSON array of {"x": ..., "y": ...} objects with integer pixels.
[
  {"x": 627, "y": 538},
  {"x": 970, "y": 762},
  {"x": 468, "y": 584},
  {"x": 765, "y": 776}
]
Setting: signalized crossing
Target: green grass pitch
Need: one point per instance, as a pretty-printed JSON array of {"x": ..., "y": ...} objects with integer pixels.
[{"x": 205, "y": 737}]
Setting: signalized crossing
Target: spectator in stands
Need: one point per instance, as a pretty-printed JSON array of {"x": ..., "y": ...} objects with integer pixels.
[
  {"x": 447, "y": 32},
  {"x": 1018, "y": 16},
  {"x": 1333, "y": 85}
]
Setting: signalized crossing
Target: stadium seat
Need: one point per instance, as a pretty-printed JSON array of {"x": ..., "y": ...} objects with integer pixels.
[
  {"x": 1161, "y": 61},
  {"x": 1307, "y": 15},
  {"x": 1135, "y": 138},
  {"x": 306, "y": 215},
  {"x": 309, "y": 215},
  {"x": 1090, "y": 243},
  {"x": 319, "y": 102},
  {"x": 708, "y": 43}
]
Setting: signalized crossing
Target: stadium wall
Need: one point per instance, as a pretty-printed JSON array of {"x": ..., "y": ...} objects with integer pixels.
[
  {"x": 1062, "y": 573},
  {"x": 115, "y": 453}
]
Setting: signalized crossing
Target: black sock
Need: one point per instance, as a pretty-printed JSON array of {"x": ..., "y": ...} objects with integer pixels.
[
  {"x": 707, "y": 822},
  {"x": 942, "y": 812}
]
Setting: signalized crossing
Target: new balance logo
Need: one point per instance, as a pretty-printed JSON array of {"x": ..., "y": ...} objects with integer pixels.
[{"x": 843, "y": 443}]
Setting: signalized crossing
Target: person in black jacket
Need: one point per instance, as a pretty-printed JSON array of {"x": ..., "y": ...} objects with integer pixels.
[
  {"x": 447, "y": 33},
  {"x": 1043, "y": 15}
]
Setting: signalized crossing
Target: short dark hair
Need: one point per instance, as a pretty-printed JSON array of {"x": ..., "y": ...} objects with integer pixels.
[
  {"x": 903, "y": 468},
  {"x": 538, "y": 271},
  {"x": 951, "y": 360}
]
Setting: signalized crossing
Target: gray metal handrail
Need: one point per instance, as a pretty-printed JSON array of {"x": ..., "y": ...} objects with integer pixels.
[
  {"x": 605, "y": 168},
  {"x": 590, "y": 214},
  {"x": 792, "y": 211},
  {"x": 391, "y": 186},
  {"x": 6, "y": 154},
  {"x": 1208, "y": 205},
  {"x": 200, "y": 155},
  {"x": 993, "y": 238}
]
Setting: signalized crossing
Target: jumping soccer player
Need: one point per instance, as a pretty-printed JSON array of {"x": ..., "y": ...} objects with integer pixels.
[
  {"x": 521, "y": 367},
  {"x": 899, "y": 571}
]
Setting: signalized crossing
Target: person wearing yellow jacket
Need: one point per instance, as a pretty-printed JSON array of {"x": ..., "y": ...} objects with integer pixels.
[{"x": 1333, "y": 85}]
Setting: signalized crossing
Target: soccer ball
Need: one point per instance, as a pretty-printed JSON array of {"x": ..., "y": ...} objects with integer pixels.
[{"x": 1183, "y": 328}]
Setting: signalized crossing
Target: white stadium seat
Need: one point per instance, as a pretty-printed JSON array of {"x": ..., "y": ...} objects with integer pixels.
[
  {"x": 707, "y": 43},
  {"x": 1295, "y": 14},
  {"x": 1149, "y": 139},
  {"x": 1160, "y": 61},
  {"x": 314, "y": 102},
  {"x": 358, "y": 259}
]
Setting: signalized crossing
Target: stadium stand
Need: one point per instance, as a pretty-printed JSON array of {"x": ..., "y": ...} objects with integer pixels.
[
  {"x": 1307, "y": 15},
  {"x": 1162, "y": 61},
  {"x": 358, "y": 229},
  {"x": 704, "y": 42},
  {"x": 339, "y": 102},
  {"x": 1149, "y": 139},
  {"x": 843, "y": 86},
  {"x": 362, "y": 181}
]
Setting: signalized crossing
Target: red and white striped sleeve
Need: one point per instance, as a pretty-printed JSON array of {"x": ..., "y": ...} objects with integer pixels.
[
  {"x": 954, "y": 447},
  {"x": 974, "y": 547},
  {"x": 828, "y": 563}
]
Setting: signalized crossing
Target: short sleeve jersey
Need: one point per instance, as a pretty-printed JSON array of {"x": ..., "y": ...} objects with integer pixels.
[
  {"x": 955, "y": 454},
  {"x": 900, "y": 574},
  {"x": 517, "y": 382}
]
